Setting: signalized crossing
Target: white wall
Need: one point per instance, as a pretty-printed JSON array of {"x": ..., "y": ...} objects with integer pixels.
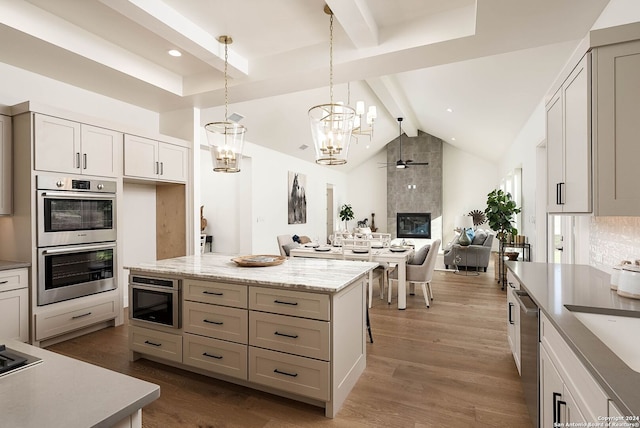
[
  {"x": 367, "y": 193},
  {"x": 247, "y": 211},
  {"x": 20, "y": 85}
]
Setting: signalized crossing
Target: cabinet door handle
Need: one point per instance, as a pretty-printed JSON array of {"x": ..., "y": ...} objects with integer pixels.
[
  {"x": 77, "y": 165},
  {"x": 292, "y": 336},
  {"x": 511, "y": 284},
  {"x": 161, "y": 168},
  {"x": 285, "y": 303},
  {"x": 84, "y": 161},
  {"x": 213, "y": 293},
  {"x": 560, "y": 196},
  {"x": 157, "y": 170},
  {"x": 510, "y": 313},
  {"x": 152, "y": 343},
  {"x": 556, "y": 407},
  {"x": 285, "y": 373},
  {"x": 213, "y": 322},
  {"x": 217, "y": 357},
  {"x": 558, "y": 404},
  {"x": 3, "y": 282},
  {"x": 75, "y": 317}
]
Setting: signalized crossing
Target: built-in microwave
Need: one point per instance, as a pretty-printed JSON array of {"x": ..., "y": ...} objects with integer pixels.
[
  {"x": 155, "y": 301},
  {"x": 75, "y": 210}
]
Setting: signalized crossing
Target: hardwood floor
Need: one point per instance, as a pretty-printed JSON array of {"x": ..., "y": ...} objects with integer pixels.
[{"x": 446, "y": 366}]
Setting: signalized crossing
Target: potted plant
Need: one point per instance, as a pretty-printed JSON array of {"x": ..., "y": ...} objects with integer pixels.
[
  {"x": 346, "y": 214},
  {"x": 500, "y": 211}
]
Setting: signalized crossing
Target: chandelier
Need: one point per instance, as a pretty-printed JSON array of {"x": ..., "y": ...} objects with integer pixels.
[
  {"x": 226, "y": 138},
  {"x": 331, "y": 124},
  {"x": 372, "y": 115}
]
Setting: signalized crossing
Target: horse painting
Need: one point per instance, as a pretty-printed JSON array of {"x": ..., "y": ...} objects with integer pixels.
[{"x": 297, "y": 199}]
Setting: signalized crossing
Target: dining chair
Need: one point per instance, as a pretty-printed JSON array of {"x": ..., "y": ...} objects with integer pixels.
[
  {"x": 380, "y": 273},
  {"x": 421, "y": 273}
]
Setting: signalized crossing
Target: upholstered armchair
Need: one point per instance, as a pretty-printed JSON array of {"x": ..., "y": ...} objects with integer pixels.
[{"x": 477, "y": 254}]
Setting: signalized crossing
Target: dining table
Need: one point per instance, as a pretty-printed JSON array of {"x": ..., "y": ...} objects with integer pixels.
[{"x": 397, "y": 256}]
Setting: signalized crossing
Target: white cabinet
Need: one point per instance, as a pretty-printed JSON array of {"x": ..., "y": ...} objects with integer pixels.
[
  {"x": 147, "y": 158},
  {"x": 616, "y": 143},
  {"x": 568, "y": 393},
  {"x": 513, "y": 319},
  {"x": 70, "y": 147},
  {"x": 569, "y": 143},
  {"x": 6, "y": 162},
  {"x": 14, "y": 305}
]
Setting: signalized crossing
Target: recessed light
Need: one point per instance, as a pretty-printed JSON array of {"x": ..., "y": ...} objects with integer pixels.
[
  {"x": 368, "y": 146},
  {"x": 174, "y": 52},
  {"x": 453, "y": 138},
  {"x": 450, "y": 110}
]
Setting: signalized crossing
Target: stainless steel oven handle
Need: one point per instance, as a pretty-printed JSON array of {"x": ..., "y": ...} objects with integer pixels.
[
  {"x": 67, "y": 195},
  {"x": 78, "y": 248}
]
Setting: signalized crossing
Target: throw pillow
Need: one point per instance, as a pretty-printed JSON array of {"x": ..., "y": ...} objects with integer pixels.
[
  {"x": 470, "y": 234},
  {"x": 287, "y": 247},
  {"x": 420, "y": 256},
  {"x": 479, "y": 237}
]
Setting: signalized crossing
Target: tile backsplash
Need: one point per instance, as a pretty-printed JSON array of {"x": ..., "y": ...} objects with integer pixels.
[{"x": 613, "y": 239}]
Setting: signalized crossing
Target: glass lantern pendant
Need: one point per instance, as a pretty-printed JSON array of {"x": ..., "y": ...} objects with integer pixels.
[{"x": 226, "y": 139}]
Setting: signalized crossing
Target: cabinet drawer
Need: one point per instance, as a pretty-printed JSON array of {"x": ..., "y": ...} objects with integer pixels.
[
  {"x": 216, "y": 355},
  {"x": 215, "y": 292},
  {"x": 512, "y": 282},
  {"x": 308, "y": 338},
  {"x": 53, "y": 323},
  {"x": 219, "y": 322},
  {"x": 13, "y": 279},
  {"x": 286, "y": 302},
  {"x": 590, "y": 398},
  {"x": 156, "y": 343},
  {"x": 14, "y": 315},
  {"x": 298, "y": 375}
]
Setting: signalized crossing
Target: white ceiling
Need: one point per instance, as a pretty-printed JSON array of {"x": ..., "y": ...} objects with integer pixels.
[{"x": 490, "y": 61}]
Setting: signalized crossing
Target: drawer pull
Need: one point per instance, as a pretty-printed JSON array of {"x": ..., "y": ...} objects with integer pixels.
[
  {"x": 3, "y": 282},
  {"x": 213, "y": 322},
  {"x": 152, "y": 344},
  {"x": 286, "y": 303},
  {"x": 214, "y": 293},
  {"x": 293, "y": 336},
  {"x": 285, "y": 373},
  {"x": 75, "y": 317},
  {"x": 217, "y": 357}
]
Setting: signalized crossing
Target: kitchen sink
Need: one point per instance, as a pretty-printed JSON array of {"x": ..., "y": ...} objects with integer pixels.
[{"x": 617, "y": 332}]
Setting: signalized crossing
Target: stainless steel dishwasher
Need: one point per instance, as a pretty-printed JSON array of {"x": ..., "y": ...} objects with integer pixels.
[{"x": 529, "y": 341}]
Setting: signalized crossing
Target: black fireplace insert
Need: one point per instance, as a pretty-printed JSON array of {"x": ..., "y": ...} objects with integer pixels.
[{"x": 414, "y": 225}]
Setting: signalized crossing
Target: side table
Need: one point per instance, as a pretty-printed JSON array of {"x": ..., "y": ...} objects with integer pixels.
[{"x": 458, "y": 251}]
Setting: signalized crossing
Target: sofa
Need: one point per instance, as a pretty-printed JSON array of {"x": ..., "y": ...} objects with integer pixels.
[{"x": 477, "y": 254}]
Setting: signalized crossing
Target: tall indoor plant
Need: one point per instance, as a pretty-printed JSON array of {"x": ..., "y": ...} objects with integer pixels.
[
  {"x": 500, "y": 211},
  {"x": 346, "y": 214}
]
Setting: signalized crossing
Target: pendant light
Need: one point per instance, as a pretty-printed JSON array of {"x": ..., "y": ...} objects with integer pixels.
[
  {"x": 331, "y": 124},
  {"x": 226, "y": 139},
  {"x": 359, "y": 125}
]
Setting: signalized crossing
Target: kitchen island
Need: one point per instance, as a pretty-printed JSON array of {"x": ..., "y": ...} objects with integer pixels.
[
  {"x": 296, "y": 329},
  {"x": 563, "y": 293},
  {"x": 59, "y": 391}
]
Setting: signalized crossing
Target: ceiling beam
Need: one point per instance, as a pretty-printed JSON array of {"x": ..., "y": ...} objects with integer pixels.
[
  {"x": 166, "y": 22},
  {"x": 356, "y": 19},
  {"x": 388, "y": 92}
]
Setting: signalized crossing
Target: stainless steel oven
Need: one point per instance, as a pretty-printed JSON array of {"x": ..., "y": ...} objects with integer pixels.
[
  {"x": 75, "y": 210},
  {"x": 68, "y": 272},
  {"x": 155, "y": 300}
]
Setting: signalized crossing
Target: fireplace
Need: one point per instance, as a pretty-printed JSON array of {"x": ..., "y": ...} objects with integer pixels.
[{"x": 414, "y": 225}]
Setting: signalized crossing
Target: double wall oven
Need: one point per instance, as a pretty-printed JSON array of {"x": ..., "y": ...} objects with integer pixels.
[{"x": 76, "y": 236}]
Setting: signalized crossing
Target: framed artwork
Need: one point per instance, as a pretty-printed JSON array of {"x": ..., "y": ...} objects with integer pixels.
[{"x": 297, "y": 198}]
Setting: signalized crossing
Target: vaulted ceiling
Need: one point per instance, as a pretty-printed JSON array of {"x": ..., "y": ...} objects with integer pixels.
[{"x": 489, "y": 62}]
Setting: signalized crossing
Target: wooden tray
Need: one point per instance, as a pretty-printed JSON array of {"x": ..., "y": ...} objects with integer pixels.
[{"x": 259, "y": 260}]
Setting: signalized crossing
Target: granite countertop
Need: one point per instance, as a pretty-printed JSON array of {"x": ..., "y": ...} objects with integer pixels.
[
  {"x": 64, "y": 392},
  {"x": 8, "y": 264},
  {"x": 319, "y": 275},
  {"x": 585, "y": 289}
]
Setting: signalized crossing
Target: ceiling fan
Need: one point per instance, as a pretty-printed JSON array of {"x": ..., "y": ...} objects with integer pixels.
[{"x": 404, "y": 163}]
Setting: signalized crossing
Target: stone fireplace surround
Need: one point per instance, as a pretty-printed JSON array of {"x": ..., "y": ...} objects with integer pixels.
[{"x": 417, "y": 189}]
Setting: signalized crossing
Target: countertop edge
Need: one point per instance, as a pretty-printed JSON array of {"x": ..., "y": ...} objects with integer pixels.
[
  {"x": 590, "y": 357},
  {"x": 10, "y": 264}
]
